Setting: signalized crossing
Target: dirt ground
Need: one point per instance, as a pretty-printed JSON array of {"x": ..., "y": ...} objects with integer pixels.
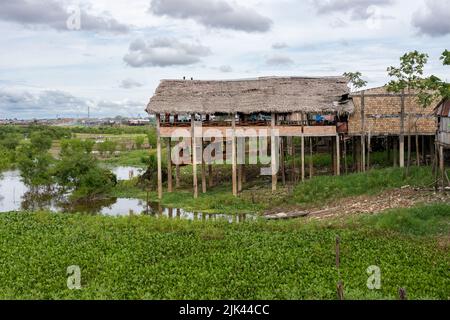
[{"x": 397, "y": 198}]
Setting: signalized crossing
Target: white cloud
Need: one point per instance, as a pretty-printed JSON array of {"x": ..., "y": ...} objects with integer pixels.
[
  {"x": 130, "y": 84},
  {"x": 279, "y": 60},
  {"x": 164, "y": 52},
  {"x": 54, "y": 14},
  {"x": 434, "y": 19},
  {"x": 213, "y": 13}
]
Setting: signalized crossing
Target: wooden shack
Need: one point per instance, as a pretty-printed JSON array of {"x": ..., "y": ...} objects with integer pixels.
[
  {"x": 302, "y": 107},
  {"x": 391, "y": 116},
  {"x": 443, "y": 134}
]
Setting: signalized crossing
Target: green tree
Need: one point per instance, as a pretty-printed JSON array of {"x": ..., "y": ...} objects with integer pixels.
[
  {"x": 11, "y": 140},
  {"x": 408, "y": 76},
  {"x": 355, "y": 79},
  {"x": 107, "y": 146},
  {"x": 5, "y": 158},
  {"x": 35, "y": 166},
  {"x": 41, "y": 141},
  {"x": 139, "y": 141},
  {"x": 79, "y": 170}
]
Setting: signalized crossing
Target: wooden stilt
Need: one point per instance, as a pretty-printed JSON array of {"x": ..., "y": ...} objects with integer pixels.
[
  {"x": 402, "y": 132},
  {"x": 442, "y": 166},
  {"x": 332, "y": 144},
  {"x": 311, "y": 164},
  {"x": 338, "y": 156},
  {"x": 417, "y": 149},
  {"x": 233, "y": 156},
  {"x": 194, "y": 157},
  {"x": 345, "y": 155},
  {"x": 158, "y": 154},
  {"x": 303, "y": 157},
  {"x": 358, "y": 154},
  {"x": 395, "y": 151},
  {"x": 368, "y": 150},
  {"x": 210, "y": 176},
  {"x": 239, "y": 177},
  {"x": 282, "y": 168},
  {"x": 363, "y": 133},
  {"x": 273, "y": 153},
  {"x": 203, "y": 171},
  {"x": 289, "y": 151},
  {"x": 177, "y": 176},
  {"x": 169, "y": 166}
]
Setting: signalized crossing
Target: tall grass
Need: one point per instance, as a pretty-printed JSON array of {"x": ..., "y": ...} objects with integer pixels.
[{"x": 325, "y": 188}]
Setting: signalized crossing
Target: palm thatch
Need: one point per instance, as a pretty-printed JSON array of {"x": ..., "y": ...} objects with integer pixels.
[{"x": 269, "y": 94}]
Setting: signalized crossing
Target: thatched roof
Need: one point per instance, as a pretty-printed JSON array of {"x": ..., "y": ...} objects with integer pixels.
[{"x": 271, "y": 94}]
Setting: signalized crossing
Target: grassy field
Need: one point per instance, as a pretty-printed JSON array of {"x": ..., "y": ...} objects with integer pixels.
[
  {"x": 255, "y": 199},
  {"x": 141, "y": 257}
]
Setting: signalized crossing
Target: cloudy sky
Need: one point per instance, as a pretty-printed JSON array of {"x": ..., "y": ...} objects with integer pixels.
[{"x": 59, "y": 57}]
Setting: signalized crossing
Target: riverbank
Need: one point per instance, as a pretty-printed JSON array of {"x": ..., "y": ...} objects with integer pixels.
[
  {"x": 141, "y": 257},
  {"x": 257, "y": 198}
]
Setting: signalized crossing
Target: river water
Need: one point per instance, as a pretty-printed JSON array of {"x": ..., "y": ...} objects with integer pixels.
[{"x": 16, "y": 196}]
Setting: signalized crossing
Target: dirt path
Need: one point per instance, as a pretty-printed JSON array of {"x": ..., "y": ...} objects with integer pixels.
[{"x": 397, "y": 198}]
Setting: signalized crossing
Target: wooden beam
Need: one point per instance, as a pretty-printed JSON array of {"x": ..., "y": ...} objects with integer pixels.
[
  {"x": 203, "y": 171},
  {"x": 442, "y": 165},
  {"x": 194, "y": 157},
  {"x": 282, "y": 159},
  {"x": 338, "y": 156},
  {"x": 177, "y": 176},
  {"x": 368, "y": 150},
  {"x": 303, "y": 157},
  {"x": 363, "y": 132},
  {"x": 158, "y": 154},
  {"x": 402, "y": 131},
  {"x": 233, "y": 155},
  {"x": 169, "y": 166},
  {"x": 311, "y": 164},
  {"x": 239, "y": 177},
  {"x": 273, "y": 153},
  {"x": 210, "y": 176},
  {"x": 395, "y": 151}
]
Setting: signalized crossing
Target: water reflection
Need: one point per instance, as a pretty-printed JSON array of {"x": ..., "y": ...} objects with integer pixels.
[
  {"x": 16, "y": 196},
  {"x": 126, "y": 173}
]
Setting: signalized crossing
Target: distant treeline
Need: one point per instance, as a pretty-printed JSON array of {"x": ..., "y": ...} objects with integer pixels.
[{"x": 57, "y": 133}]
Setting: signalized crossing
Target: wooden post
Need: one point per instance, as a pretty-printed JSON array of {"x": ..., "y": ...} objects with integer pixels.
[
  {"x": 394, "y": 151},
  {"x": 417, "y": 149},
  {"x": 442, "y": 165},
  {"x": 282, "y": 168},
  {"x": 358, "y": 155},
  {"x": 194, "y": 157},
  {"x": 303, "y": 157},
  {"x": 273, "y": 152},
  {"x": 332, "y": 144},
  {"x": 169, "y": 166},
  {"x": 203, "y": 171},
  {"x": 233, "y": 155},
  {"x": 402, "y": 131},
  {"x": 338, "y": 155},
  {"x": 210, "y": 176},
  {"x": 290, "y": 151},
  {"x": 311, "y": 164},
  {"x": 368, "y": 150},
  {"x": 158, "y": 154},
  {"x": 177, "y": 176},
  {"x": 345, "y": 155},
  {"x": 363, "y": 132},
  {"x": 239, "y": 177}
]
